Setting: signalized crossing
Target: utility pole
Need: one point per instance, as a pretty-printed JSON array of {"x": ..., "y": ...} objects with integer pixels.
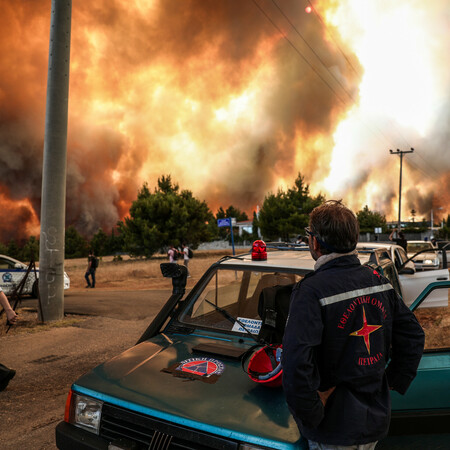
[
  {"x": 51, "y": 253},
  {"x": 432, "y": 219},
  {"x": 400, "y": 153}
]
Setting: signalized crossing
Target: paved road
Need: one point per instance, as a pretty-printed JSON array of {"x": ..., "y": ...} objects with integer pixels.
[
  {"x": 49, "y": 360},
  {"x": 114, "y": 304}
]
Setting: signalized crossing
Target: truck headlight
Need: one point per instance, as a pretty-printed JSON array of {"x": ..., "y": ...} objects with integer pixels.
[{"x": 84, "y": 412}]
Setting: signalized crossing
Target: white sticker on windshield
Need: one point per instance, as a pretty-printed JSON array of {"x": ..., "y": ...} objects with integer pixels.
[{"x": 252, "y": 325}]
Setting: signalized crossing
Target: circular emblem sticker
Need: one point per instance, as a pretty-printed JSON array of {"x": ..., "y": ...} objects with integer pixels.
[
  {"x": 204, "y": 367},
  {"x": 7, "y": 277}
]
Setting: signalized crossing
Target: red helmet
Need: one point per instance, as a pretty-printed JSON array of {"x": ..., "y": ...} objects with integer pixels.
[
  {"x": 259, "y": 251},
  {"x": 265, "y": 366}
]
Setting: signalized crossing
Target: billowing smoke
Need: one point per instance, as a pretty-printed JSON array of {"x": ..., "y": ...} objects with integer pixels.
[{"x": 210, "y": 92}]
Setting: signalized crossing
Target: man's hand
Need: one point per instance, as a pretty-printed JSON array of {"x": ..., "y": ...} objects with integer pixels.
[
  {"x": 11, "y": 316},
  {"x": 325, "y": 394}
]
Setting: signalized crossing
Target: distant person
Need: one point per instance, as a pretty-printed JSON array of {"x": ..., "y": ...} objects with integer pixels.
[
  {"x": 186, "y": 257},
  {"x": 433, "y": 242},
  {"x": 6, "y": 374},
  {"x": 172, "y": 253},
  {"x": 90, "y": 271},
  {"x": 400, "y": 239}
]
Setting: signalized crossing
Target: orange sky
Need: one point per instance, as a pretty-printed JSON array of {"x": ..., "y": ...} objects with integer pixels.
[{"x": 232, "y": 99}]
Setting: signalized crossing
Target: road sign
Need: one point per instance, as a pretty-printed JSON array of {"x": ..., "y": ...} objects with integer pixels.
[
  {"x": 224, "y": 222},
  {"x": 228, "y": 222}
]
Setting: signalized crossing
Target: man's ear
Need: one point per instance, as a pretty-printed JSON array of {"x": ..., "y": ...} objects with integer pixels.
[{"x": 316, "y": 246}]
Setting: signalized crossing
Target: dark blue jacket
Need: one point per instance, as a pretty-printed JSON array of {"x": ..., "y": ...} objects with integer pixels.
[{"x": 345, "y": 321}]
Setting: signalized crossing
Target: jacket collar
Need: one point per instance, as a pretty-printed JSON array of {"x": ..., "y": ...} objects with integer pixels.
[{"x": 325, "y": 259}]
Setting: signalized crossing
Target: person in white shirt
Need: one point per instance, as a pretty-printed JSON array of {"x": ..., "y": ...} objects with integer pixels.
[{"x": 186, "y": 257}]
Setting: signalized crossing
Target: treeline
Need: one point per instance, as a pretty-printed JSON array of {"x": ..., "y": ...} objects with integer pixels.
[{"x": 168, "y": 215}]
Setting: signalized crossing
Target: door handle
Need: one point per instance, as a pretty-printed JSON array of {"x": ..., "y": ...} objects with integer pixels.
[{"x": 442, "y": 279}]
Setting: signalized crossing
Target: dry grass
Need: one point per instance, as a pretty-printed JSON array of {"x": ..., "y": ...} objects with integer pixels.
[
  {"x": 436, "y": 324},
  {"x": 29, "y": 323},
  {"x": 137, "y": 273}
]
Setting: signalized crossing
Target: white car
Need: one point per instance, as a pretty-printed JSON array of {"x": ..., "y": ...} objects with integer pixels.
[
  {"x": 424, "y": 259},
  {"x": 412, "y": 282},
  {"x": 12, "y": 272}
]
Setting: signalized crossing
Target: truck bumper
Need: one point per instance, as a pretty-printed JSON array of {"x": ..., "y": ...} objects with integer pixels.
[{"x": 69, "y": 437}]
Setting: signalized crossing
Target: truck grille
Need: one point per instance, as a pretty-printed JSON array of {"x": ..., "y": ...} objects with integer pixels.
[{"x": 143, "y": 432}]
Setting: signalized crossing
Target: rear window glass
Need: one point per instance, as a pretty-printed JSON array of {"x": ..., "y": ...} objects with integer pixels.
[{"x": 414, "y": 247}]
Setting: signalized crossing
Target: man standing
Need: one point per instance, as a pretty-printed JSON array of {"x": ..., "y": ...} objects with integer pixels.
[
  {"x": 400, "y": 239},
  {"x": 90, "y": 271},
  {"x": 344, "y": 320},
  {"x": 186, "y": 257}
]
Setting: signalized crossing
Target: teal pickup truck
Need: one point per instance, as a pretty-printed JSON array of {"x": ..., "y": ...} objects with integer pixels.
[{"x": 185, "y": 385}]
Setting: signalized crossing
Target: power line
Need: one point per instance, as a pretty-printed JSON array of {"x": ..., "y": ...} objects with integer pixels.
[
  {"x": 332, "y": 37},
  {"x": 378, "y": 133},
  {"x": 298, "y": 52},
  {"x": 319, "y": 17},
  {"x": 309, "y": 46},
  {"x": 436, "y": 173},
  {"x": 374, "y": 130}
]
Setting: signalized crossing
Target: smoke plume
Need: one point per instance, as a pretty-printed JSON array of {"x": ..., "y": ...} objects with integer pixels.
[{"x": 230, "y": 98}]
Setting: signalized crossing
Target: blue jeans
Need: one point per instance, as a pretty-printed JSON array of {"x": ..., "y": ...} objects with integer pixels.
[{"x": 90, "y": 272}]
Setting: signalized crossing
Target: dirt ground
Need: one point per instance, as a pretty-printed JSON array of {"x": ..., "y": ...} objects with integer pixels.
[{"x": 48, "y": 358}]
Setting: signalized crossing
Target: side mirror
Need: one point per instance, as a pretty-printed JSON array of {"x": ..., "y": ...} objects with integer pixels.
[
  {"x": 407, "y": 268},
  {"x": 18, "y": 266},
  {"x": 178, "y": 274}
]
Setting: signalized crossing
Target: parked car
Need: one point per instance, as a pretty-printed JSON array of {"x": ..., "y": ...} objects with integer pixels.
[
  {"x": 424, "y": 255},
  {"x": 411, "y": 282},
  {"x": 183, "y": 385},
  {"x": 12, "y": 272}
]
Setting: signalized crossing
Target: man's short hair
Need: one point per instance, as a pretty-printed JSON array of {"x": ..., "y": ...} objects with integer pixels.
[{"x": 335, "y": 227}]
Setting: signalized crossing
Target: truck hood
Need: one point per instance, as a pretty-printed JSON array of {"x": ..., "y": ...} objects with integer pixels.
[{"x": 234, "y": 404}]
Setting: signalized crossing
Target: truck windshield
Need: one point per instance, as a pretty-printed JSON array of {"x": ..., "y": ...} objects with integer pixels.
[{"x": 237, "y": 292}]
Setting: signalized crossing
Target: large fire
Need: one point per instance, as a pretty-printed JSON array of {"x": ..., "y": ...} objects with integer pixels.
[{"x": 232, "y": 99}]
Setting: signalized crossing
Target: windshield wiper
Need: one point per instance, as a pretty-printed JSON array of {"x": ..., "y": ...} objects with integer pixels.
[{"x": 232, "y": 319}]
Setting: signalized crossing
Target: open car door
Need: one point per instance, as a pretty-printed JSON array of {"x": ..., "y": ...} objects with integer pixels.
[{"x": 423, "y": 413}]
